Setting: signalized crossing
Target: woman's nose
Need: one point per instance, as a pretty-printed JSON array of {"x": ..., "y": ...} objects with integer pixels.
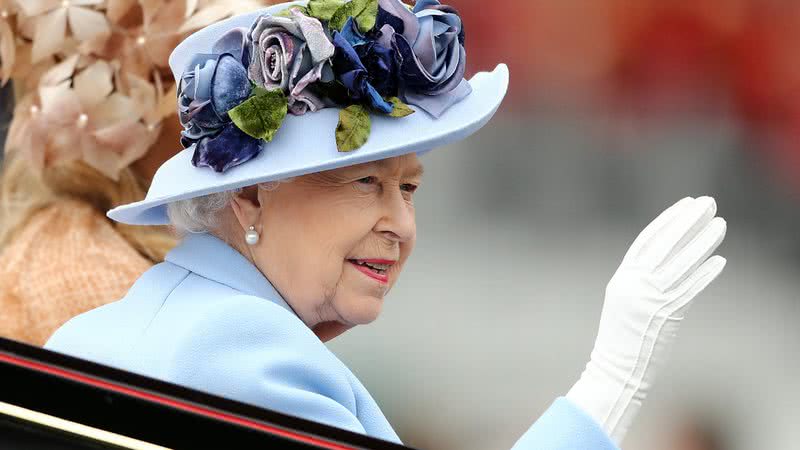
[{"x": 398, "y": 222}]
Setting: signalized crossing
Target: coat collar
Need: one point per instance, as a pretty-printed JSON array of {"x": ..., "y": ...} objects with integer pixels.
[{"x": 212, "y": 258}]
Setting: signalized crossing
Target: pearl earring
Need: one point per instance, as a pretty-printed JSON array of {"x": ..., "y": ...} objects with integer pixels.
[{"x": 251, "y": 237}]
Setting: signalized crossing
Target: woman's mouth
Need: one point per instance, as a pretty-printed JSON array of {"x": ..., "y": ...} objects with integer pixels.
[{"x": 374, "y": 268}]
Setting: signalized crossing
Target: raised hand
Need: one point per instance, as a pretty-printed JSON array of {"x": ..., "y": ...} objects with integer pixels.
[{"x": 646, "y": 300}]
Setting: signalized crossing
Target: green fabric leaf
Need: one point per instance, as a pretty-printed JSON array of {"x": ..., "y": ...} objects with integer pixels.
[
  {"x": 261, "y": 115},
  {"x": 288, "y": 11},
  {"x": 324, "y": 9},
  {"x": 365, "y": 12},
  {"x": 259, "y": 90},
  {"x": 353, "y": 129},
  {"x": 400, "y": 108}
]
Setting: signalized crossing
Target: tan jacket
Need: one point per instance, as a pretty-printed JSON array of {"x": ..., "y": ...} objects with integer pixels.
[{"x": 67, "y": 259}]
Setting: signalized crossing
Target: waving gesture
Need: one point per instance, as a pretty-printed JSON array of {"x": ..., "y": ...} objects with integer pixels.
[{"x": 646, "y": 300}]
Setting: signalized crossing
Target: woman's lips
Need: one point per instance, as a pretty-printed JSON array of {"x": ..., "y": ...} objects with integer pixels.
[
  {"x": 384, "y": 279},
  {"x": 376, "y": 261}
]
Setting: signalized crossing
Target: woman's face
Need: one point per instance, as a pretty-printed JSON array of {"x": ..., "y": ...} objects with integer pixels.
[{"x": 334, "y": 243}]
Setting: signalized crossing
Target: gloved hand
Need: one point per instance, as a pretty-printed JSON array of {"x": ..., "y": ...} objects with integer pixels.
[{"x": 646, "y": 300}]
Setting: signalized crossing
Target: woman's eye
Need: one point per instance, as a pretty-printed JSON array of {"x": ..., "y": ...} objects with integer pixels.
[
  {"x": 409, "y": 187},
  {"x": 367, "y": 184}
]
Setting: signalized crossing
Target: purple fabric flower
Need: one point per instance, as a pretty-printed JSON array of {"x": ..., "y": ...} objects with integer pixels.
[
  {"x": 291, "y": 53},
  {"x": 211, "y": 86},
  {"x": 429, "y": 43},
  {"x": 230, "y": 148}
]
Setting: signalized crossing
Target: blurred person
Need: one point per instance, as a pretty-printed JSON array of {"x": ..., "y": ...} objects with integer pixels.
[
  {"x": 695, "y": 434},
  {"x": 696, "y": 437},
  {"x": 296, "y": 227},
  {"x": 6, "y": 107},
  {"x": 92, "y": 124}
]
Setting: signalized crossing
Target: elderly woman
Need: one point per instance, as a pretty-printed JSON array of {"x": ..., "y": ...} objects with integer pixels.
[{"x": 297, "y": 226}]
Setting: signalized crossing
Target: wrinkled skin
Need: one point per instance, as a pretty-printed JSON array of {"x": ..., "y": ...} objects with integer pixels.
[{"x": 312, "y": 227}]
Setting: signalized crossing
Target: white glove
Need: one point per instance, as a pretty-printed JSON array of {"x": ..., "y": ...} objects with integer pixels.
[{"x": 646, "y": 299}]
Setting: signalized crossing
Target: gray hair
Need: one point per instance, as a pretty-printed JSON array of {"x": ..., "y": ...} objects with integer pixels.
[{"x": 202, "y": 214}]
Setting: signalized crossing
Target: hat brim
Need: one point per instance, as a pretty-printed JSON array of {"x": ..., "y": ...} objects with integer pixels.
[{"x": 307, "y": 144}]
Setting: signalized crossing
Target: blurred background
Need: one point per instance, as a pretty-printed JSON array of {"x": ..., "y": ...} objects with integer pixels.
[{"x": 617, "y": 109}]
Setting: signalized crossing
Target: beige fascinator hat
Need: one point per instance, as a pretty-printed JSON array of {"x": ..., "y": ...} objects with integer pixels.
[{"x": 91, "y": 76}]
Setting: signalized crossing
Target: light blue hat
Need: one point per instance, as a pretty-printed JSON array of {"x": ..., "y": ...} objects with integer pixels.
[{"x": 308, "y": 143}]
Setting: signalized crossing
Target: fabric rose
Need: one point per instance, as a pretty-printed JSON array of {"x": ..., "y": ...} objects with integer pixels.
[
  {"x": 366, "y": 68},
  {"x": 381, "y": 67},
  {"x": 291, "y": 53},
  {"x": 212, "y": 85},
  {"x": 429, "y": 43}
]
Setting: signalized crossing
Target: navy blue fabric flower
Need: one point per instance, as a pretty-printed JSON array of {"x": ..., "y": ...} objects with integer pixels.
[
  {"x": 381, "y": 67},
  {"x": 365, "y": 68}
]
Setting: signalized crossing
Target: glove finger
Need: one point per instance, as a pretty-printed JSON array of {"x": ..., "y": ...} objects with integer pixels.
[
  {"x": 675, "y": 270},
  {"x": 651, "y": 229},
  {"x": 676, "y": 234},
  {"x": 695, "y": 284}
]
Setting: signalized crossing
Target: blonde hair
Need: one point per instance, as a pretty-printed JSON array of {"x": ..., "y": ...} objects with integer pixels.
[{"x": 25, "y": 191}]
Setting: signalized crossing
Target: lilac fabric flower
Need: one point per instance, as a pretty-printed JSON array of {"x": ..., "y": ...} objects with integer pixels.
[
  {"x": 429, "y": 43},
  {"x": 366, "y": 68},
  {"x": 212, "y": 85},
  {"x": 291, "y": 53}
]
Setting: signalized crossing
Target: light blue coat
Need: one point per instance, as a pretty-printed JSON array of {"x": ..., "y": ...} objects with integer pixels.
[{"x": 208, "y": 319}]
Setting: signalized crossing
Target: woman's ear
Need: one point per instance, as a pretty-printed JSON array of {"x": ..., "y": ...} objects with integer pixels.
[{"x": 247, "y": 207}]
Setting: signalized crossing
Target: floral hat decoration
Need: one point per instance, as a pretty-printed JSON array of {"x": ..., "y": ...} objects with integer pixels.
[
  {"x": 363, "y": 56},
  {"x": 313, "y": 85},
  {"x": 92, "y": 76}
]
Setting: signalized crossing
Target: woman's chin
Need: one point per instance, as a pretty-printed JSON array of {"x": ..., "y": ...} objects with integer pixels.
[
  {"x": 361, "y": 310},
  {"x": 327, "y": 331}
]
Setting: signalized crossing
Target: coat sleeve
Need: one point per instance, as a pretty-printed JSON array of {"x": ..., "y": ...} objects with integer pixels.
[
  {"x": 254, "y": 351},
  {"x": 565, "y": 427}
]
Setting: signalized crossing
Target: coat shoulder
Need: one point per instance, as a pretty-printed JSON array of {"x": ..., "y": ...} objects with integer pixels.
[
  {"x": 249, "y": 319},
  {"x": 252, "y": 350},
  {"x": 242, "y": 324}
]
